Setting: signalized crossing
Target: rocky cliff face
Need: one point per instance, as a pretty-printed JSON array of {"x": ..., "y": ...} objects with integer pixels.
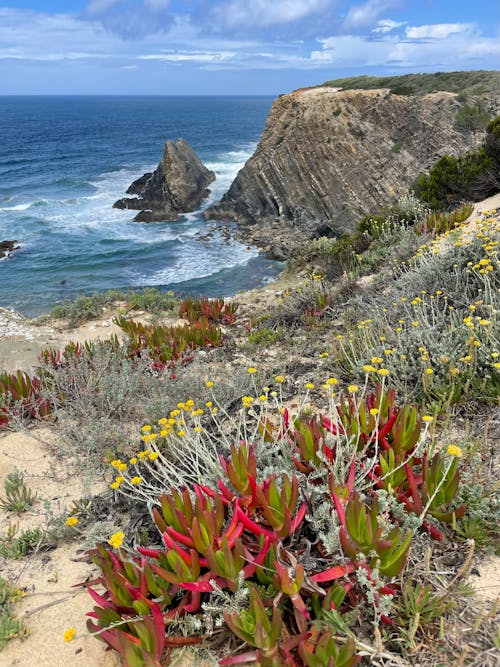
[
  {"x": 178, "y": 185},
  {"x": 328, "y": 157}
]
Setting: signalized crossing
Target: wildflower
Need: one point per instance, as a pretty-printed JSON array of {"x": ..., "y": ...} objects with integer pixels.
[
  {"x": 263, "y": 398},
  {"x": 476, "y": 343},
  {"x": 146, "y": 438},
  {"x": 279, "y": 379},
  {"x": 416, "y": 323},
  {"x": 163, "y": 421},
  {"x": 309, "y": 385},
  {"x": 251, "y": 370},
  {"x": 377, "y": 360},
  {"x": 383, "y": 372},
  {"x": 454, "y": 371},
  {"x": 494, "y": 355},
  {"x": 197, "y": 429},
  {"x": 69, "y": 635},
  {"x": 247, "y": 401},
  {"x": 114, "y": 485},
  {"x": 484, "y": 322},
  {"x": 369, "y": 369},
  {"x": 153, "y": 455},
  {"x": 209, "y": 404},
  {"x": 496, "y": 365},
  {"x": 163, "y": 433},
  {"x": 116, "y": 540},
  {"x": 429, "y": 371},
  {"x": 454, "y": 450},
  {"x": 374, "y": 411},
  {"x": 331, "y": 382},
  {"x": 214, "y": 411},
  {"x": 146, "y": 428},
  {"x": 133, "y": 460},
  {"x": 209, "y": 384},
  {"x": 352, "y": 388},
  {"x": 181, "y": 434},
  {"x": 71, "y": 521},
  {"x": 136, "y": 480},
  {"x": 427, "y": 419}
]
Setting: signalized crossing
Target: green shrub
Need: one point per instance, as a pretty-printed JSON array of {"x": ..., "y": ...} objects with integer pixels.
[
  {"x": 471, "y": 177},
  {"x": 471, "y": 118}
]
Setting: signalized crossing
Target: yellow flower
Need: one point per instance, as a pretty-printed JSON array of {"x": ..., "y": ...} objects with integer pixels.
[
  {"x": 377, "y": 360},
  {"x": 146, "y": 428},
  {"x": 496, "y": 365},
  {"x": 454, "y": 371},
  {"x": 247, "y": 401},
  {"x": 309, "y": 385},
  {"x": 163, "y": 433},
  {"x": 116, "y": 540},
  {"x": 455, "y": 450},
  {"x": 484, "y": 322},
  {"x": 181, "y": 434},
  {"x": 209, "y": 404},
  {"x": 214, "y": 411},
  {"x": 115, "y": 463},
  {"x": 69, "y": 635},
  {"x": 374, "y": 411},
  {"x": 153, "y": 455},
  {"x": 146, "y": 438},
  {"x": 162, "y": 421},
  {"x": 136, "y": 480},
  {"x": 279, "y": 379},
  {"x": 251, "y": 370},
  {"x": 369, "y": 369},
  {"x": 197, "y": 429},
  {"x": 114, "y": 485},
  {"x": 352, "y": 388},
  {"x": 263, "y": 398},
  {"x": 416, "y": 323},
  {"x": 429, "y": 371},
  {"x": 383, "y": 372},
  {"x": 209, "y": 384},
  {"x": 331, "y": 382},
  {"x": 494, "y": 355},
  {"x": 427, "y": 419},
  {"x": 71, "y": 521},
  {"x": 133, "y": 460}
]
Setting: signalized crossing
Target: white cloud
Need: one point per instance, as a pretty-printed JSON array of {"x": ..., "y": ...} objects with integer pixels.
[
  {"x": 437, "y": 30},
  {"x": 186, "y": 56},
  {"x": 361, "y": 16},
  {"x": 264, "y": 13},
  {"x": 387, "y": 25}
]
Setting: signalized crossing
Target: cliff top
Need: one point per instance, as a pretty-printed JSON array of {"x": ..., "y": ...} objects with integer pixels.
[{"x": 476, "y": 82}]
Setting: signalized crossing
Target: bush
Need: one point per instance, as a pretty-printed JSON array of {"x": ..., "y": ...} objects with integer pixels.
[
  {"x": 472, "y": 176},
  {"x": 471, "y": 118}
]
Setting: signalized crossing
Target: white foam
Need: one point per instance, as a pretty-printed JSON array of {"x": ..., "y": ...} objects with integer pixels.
[{"x": 17, "y": 207}]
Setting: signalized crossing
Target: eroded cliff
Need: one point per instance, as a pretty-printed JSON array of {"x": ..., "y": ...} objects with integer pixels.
[{"x": 328, "y": 157}]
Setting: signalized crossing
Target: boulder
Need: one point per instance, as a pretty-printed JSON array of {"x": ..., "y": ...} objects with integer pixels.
[
  {"x": 178, "y": 185},
  {"x": 6, "y": 247}
]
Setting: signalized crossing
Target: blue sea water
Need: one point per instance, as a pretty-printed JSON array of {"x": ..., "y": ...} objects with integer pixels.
[{"x": 65, "y": 160}]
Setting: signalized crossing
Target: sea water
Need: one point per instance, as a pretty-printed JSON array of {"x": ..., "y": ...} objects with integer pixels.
[{"x": 64, "y": 161}]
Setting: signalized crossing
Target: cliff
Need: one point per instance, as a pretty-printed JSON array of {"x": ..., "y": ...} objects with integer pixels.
[
  {"x": 328, "y": 156},
  {"x": 178, "y": 185}
]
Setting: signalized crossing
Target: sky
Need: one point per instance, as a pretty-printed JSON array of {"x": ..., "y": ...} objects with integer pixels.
[{"x": 240, "y": 47}]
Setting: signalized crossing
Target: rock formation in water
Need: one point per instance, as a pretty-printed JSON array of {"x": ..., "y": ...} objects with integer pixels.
[
  {"x": 178, "y": 185},
  {"x": 328, "y": 157},
  {"x": 6, "y": 247}
]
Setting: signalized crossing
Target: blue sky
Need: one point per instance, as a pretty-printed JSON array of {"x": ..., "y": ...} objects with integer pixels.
[{"x": 174, "y": 47}]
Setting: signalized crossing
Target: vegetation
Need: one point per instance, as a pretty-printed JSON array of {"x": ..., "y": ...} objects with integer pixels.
[
  {"x": 306, "y": 510},
  {"x": 472, "y": 176},
  {"x": 10, "y": 625},
  {"x": 465, "y": 83},
  {"x": 83, "y": 308}
]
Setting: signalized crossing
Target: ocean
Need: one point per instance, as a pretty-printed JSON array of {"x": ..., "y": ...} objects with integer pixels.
[{"x": 64, "y": 161}]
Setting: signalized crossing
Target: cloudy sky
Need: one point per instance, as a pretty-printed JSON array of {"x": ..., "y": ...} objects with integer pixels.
[{"x": 173, "y": 47}]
